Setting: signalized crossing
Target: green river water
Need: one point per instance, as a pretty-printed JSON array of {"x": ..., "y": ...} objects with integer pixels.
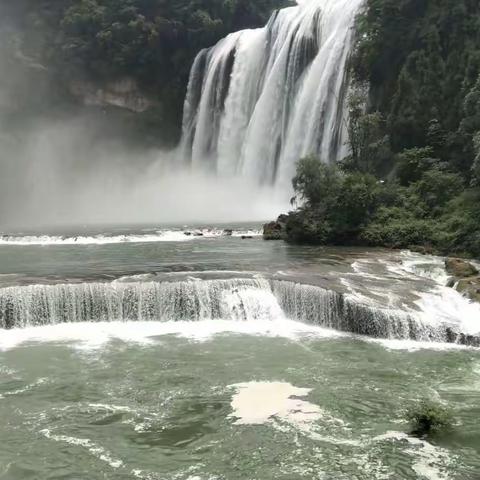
[{"x": 252, "y": 396}]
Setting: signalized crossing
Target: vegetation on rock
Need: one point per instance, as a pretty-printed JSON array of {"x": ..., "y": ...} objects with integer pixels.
[{"x": 428, "y": 418}]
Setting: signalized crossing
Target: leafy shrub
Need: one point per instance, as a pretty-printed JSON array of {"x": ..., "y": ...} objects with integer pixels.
[
  {"x": 336, "y": 204},
  {"x": 316, "y": 184},
  {"x": 396, "y": 228},
  {"x": 429, "y": 418},
  {"x": 304, "y": 226}
]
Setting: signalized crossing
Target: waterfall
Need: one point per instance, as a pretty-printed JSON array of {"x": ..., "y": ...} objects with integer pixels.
[
  {"x": 261, "y": 99},
  {"x": 234, "y": 299}
]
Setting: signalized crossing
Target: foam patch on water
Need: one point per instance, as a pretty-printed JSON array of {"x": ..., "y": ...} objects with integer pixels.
[
  {"x": 283, "y": 407},
  {"x": 430, "y": 461},
  {"x": 95, "y": 335},
  {"x": 87, "y": 335},
  {"x": 257, "y": 403},
  {"x": 415, "y": 345}
]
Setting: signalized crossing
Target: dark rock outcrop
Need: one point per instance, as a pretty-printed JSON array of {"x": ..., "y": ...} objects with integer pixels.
[{"x": 275, "y": 230}]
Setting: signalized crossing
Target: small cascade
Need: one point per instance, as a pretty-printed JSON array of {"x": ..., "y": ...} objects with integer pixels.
[
  {"x": 137, "y": 301},
  {"x": 261, "y": 99},
  {"x": 235, "y": 299}
]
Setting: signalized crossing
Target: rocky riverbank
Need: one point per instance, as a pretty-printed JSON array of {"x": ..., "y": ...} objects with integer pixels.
[{"x": 464, "y": 275}]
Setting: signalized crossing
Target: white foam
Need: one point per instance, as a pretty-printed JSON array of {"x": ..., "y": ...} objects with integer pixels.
[
  {"x": 257, "y": 403},
  {"x": 101, "y": 239},
  {"x": 52, "y": 240},
  {"x": 414, "y": 345},
  {"x": 87, "y": 335},
  {"x": 425, "y": 266},
  {"x": 444, "y": 304},
  {"x": 95, "y": 335},
  {"x": 439, "y": 304},
  {"x": 430, "y": 460},
  {"x": 111, "y": 408}
]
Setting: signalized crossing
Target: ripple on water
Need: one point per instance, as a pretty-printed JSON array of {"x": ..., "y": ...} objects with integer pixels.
[{"x": 96, "y": 450}]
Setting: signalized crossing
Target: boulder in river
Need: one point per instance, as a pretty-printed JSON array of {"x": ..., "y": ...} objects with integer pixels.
[
  {"x": 470, "y": 287},
  {"x": 275, "y": 230},
  {"x": 465, "y": 278},
  {"x": 459, "y": 268}
]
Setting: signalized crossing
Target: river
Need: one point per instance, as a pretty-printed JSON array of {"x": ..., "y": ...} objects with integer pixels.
[{"x": 191, "y": 353}]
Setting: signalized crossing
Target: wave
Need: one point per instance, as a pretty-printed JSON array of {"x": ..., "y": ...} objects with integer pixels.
[
  {"x": 234, "y": 300},
  {"x": 104, "y": 239}
]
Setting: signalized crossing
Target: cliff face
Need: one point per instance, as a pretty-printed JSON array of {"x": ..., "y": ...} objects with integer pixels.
[
  {"x": 130, "y": 58},
  {"x": 122, "y": 93}
]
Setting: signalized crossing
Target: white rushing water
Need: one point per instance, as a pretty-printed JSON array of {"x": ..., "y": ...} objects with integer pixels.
[
  {"x": 269, "y": 302},
  {"x": 261, "y": 99},
  {"x": 107, "y": 239}
]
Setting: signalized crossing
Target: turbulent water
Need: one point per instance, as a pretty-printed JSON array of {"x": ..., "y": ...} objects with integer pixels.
[
  {"x": 286, "y": 83},
  {"x": 206, "y": 353},
  {"x": 200, "y": 274},
  {"x": 233, "y": 300},
  {"x": 240, "y": 406}
]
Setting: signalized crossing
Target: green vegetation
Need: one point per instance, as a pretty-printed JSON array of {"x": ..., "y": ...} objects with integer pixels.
[
  {"x": 151, "y": 41},
  {"x": 429, "y": 418},
  {"x": 336, "y": 204},
  {"x": 413, "y": 176}
]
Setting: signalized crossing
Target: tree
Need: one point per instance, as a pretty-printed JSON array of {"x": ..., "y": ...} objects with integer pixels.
[
  {"x": 412, "y": 163},
  {"x": 368, "y": 144},
  {"x": 316, "y": 183},
  {"x": 476, "y": 161}
]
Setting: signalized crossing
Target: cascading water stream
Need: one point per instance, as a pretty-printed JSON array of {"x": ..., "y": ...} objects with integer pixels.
[
  {"x": 261, "y": 99},
  {"x": 194, "y": 300}
]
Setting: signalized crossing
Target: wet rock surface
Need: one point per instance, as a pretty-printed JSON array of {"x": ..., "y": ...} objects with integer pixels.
[
  {"x": 460, "y": 268},
  {"x": 275, "y": 230},
  {"x": 465, "y": 278}
]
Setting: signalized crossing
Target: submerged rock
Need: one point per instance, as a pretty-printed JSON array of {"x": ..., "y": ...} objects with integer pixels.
[{"x": 228, "y": 232}]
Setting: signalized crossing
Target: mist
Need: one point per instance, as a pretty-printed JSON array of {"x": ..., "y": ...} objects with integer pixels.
[
  {"x": 60, "y": 167},
  {"x": 61, "y": 173}
]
